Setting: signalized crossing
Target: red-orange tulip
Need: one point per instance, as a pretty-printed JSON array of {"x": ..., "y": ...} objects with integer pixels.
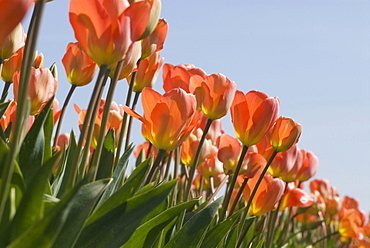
[
  {"x": 168, "y": 119},
  {"x": 79, "y": 67},
  {"x": 106, "y": 29},
  {"x": 214, "y": 94},
  {"x": 147, "y": 72},
  {"x": 190, "y": 146},
  {"x": 11, "y": 14},
  {"x": 179, "y": 76},
  {"x": 268, "y": 194},
  {"x": 253, "y": 115},
  {"x": 129, "y": 61},
  {"x": 295, "y": 197},
  {"x": 287, "y": 164},
  {"x": 154, "y": 42},
  {"x": 12, "y": 65},
  {"x": 285, "y": 134},
  {"x": 42, "y": 87},
  {"x": 309, "y": 166}
]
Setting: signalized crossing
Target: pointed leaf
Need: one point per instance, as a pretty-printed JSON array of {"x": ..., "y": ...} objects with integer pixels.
[
  {"x": 148, "y": 232},
  {"x": 105, "y": 166},
  {"x": 116, "y": 227},
  {"x": 31, "y": 207},
  {"x": 80, "y": 207},
  {"x": 125, "y": 192},
  {"x": 194, "y": 230}
]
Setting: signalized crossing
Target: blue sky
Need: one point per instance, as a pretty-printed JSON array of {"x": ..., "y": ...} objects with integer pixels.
[{"x": 313, "y": 55}]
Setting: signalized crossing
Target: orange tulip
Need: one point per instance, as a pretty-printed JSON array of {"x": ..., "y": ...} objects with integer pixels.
[
  {"x": 287, "y": 164},
  {"x": 12, "y": 65},
  {"x": 285, "y": 134},
  {"x": 190, "y": 145},
  {"x": 309, "y": 166},
  {"x": 168, "y": 119},
  {"x": 214, "y": 94},
  {"x": 268, "y": 194},
  {"x": 79, "y": 67},
  {"x": 106, "y": 29},
  {"x": 295, "y": 197},
  {"x": 253, "y": 115},
  {"x": 351, "y": 223},
  {"x": 147, "y": 72},
  {"x": 179, "y": 76},
  {"x": 12, "y": 43},
  {"x": 154, "y": 42},
  {"x": 11, "y": 14},
  {"x": 42, "y": 87},
  {"x": 212, "y": 166},
  {"x": 129, "y": 61}
]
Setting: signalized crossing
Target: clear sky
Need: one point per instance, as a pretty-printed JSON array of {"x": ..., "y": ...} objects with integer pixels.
[{"x": 314, "y": 55}]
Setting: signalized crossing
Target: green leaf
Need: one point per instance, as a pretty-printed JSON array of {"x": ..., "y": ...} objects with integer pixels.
[
  {"x": 43, "y": 233},
  {"x": 81, "y": 206},
  {"x": 125, "y": 192},
  {"x": 68, "y": 170},
  {"x": 147, "y": 233},
  {"x": 215, "y": 235},
  {"x": 116, "y": 227},
  {"x": 194, "y": 230},
  {"x": 105, "y": 166},
  {"x": 48, "y": 134},
  {"x": 31, "y": 154},
  {"x": 117, "y": 176},
  {"x": 30, "y": 208}
]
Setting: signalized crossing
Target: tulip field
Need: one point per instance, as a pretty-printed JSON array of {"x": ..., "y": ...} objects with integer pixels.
[{"x": 190, "y": 184}]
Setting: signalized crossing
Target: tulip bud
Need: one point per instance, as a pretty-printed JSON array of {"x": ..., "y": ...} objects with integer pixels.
[
  {"x": 154, "y": 42},
  {"x": 285, "y": 134}
]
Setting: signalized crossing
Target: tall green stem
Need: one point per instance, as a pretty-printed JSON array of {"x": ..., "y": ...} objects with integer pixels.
[
  {"x": 124, "y": 121},
  {"x": 232, "y": 184},
  {"x": 104, "y": 121},
  {"x": 22, "y": 103},
  {"x": 133, "y": 107},
  {"x": 155, "y": 166},
  {"x": 196, "y": 159},
  {"x": 238, "y": 195},
  {"x": 61, "y": 117},
  {"x": 245, "y": 212},
  {"x": 5, "y": 91},
  {"x": 95, "y": 95}
]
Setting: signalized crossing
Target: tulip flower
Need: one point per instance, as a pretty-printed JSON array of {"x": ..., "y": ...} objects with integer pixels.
[
  {"x": 79, "y": 67},
  {"x": 179, "y": 76},
  {"x": 42, "y": 87},
  {"x": 268, "y": 194},
  {"x": 253, "y": 115},
  {"x": 12, "y": 43},
  {"x": 215, "y": 130},
  {"x": 129, "y": 61},
  {"x": 147, "y": 72},
  {"x": 106, "y": 29},
  {"x": 154, "y": 42},
  {"x": 211, "y": 166},
  {"x": 168, "y": 119},
  {"x": 286, "y": 164},
  {"x": 351, "y": 223},
  {"x": 309, "y": 166},
  {"x": 295, "y": 197},
  {"x": 190, "y": 145},
  {"x": 12, "y": 65},
  {"x": 214, "y": 94},
  {"x": 285, "y": 134},
  {"x": 11, "y": 14}
]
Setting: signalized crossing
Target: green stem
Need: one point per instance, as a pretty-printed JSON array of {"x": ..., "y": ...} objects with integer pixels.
[
  {"x": 85, "y": 126},
  {"x": 5, "y": 91},
  {"x": 245, "y": 212},
  {"x": 227, "y": 198},
  {"x": 104, "y": 121},
  {"x": 155, "y": 166},
  {"x": 239, "y": 194},
  {"x": 65, "y": 104},
  {"x": 325, "y": 237},
  {"x": 124, "y": 121},
  {"x": 22, "y": 103},
  {"x": 90, "y": 132},
  {"x": 196, "y": 159},
  {"x": 133, "y": 107}
]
